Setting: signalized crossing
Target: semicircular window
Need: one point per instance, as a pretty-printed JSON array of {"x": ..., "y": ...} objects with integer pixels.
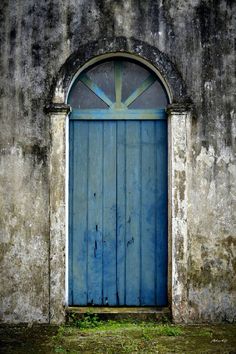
[{"x": 116, "y": 85}]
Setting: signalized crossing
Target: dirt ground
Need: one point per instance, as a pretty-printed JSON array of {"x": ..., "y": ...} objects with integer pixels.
[{"x": 94, "y": 336}]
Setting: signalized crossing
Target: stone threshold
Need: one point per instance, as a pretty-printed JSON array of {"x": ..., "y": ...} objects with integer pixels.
[{"x": 160, "y": 314}]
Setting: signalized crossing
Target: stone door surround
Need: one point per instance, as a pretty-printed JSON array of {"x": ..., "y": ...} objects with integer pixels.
[{"x": 179, "y": 129}]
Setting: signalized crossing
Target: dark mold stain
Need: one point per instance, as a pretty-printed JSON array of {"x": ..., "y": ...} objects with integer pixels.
[
  {"x": 39, "y": 153},
  {"x": 95, "y": 248},
  {"x": 69, "y": 18},
  {"x": 13, "y": 35},
  {"x": 106, "y": 18},
  {"x": 53, "y": 14},
  {"x": 130, "y": 242},
  {"x": 36, "y": 54}
]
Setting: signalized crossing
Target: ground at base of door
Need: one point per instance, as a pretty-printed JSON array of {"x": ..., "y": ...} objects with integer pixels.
[
  {"x": 138, "y": 314},
  {"x": 92, "y": 335}
]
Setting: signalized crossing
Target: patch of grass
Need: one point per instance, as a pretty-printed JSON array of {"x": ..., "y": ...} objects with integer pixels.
[
  {"x": 116, "y": 337},
  {"x": 168, "y": 330},
  {"x": 90, "y": 320},
  {"x": 60, "y": 349},
  {"x": 165, "y": 320},
  {"x": 155, "y": 331},
  {"x": 121, "y": 337},
  {"x": 128, "y": 336},
  {"x": 204, "y": 332},
  {"x": 114, "y": 325},
  {"x": 112, "y": 336},
  {"x": 60, "y": 334}
]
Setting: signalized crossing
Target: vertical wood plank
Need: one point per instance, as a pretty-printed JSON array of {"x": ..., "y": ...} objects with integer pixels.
[
  {"x": 79, "y": 212},
  {"x": 95, "y": 207},
  {"x": 161, "y": 214},
  {"x": 109, "y": 214},
  {"x": 148, "y": 217},
  {"x": 133, "y": 194},
  {"x": 121, "y": 212}
]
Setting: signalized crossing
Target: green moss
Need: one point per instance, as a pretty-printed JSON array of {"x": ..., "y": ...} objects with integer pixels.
[
  {"x": 147, "y": 337},
  {"x": 120, "y": 337},
  {"x": 91, "y": 322}
]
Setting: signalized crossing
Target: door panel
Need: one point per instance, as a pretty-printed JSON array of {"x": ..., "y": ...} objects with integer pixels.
[{"x": 118, "y": 213}]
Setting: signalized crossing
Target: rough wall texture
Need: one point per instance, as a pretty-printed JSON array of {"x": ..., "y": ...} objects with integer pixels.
[{"x": 36, "y": 39}]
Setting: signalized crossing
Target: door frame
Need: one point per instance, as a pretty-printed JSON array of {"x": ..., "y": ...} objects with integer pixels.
[{"x": 179, "y": 152}]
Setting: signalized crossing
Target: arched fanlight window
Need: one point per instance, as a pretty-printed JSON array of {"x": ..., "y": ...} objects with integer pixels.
[{"x": 115, "y": 85}]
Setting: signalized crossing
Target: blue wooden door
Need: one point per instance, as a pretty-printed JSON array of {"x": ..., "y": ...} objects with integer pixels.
[{"x": 118, "y": 197}]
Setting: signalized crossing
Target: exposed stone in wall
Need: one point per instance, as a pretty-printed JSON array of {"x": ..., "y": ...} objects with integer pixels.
[{"x": 36, "y": 39}]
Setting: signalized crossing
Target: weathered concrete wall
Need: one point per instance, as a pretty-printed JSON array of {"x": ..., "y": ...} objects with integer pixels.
[{"x": 36, "y": 40}]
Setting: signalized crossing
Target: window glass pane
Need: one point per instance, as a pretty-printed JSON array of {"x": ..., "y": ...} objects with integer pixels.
[
  {"x": 103, "y": 76},
  {"x": 154, "y": 97},
  {"x": 82, "y": 97},
  {"x": 132, "y": 77}
]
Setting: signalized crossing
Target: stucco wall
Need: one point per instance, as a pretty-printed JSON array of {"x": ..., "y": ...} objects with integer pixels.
[{"x": 36, "y": 40}]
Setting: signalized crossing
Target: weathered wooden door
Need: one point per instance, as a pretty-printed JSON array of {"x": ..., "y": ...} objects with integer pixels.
[{"x": 118, "y": 187}]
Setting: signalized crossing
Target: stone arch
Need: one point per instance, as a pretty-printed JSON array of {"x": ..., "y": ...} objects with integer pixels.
[
  {"x": 179, "y": 129},
  {"x": 118, "y": 46}
]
